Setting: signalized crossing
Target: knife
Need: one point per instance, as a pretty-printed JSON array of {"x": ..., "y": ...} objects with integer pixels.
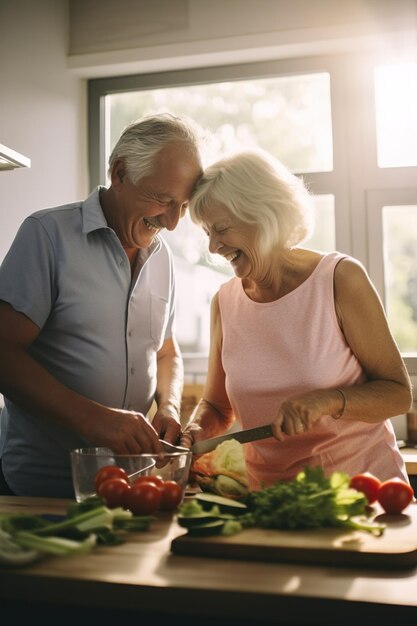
[{"x": 243, "y": 436}]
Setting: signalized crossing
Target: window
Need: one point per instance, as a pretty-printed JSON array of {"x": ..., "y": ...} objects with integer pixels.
[
  {"x": 396, "y": 114},
  {"x": 399, "y": 227},
  {"x": 330, "y": 121}
]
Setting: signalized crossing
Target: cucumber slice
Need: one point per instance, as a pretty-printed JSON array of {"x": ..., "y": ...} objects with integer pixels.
[
  {"x": 226, "y": 505},
  {"x": 196, "y": 520},
  {"x": 205, "y": 530}
]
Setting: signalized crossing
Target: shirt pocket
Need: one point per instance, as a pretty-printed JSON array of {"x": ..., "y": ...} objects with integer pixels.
[{"x": 159, "y": 320}]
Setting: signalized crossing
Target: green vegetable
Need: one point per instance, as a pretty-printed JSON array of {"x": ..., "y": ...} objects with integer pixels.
[
  {"x": 229, "y": 457},
  {"x": 207, "y": 529},
  {"x": 229, "y": 487},
  {"x": 203, "y": 518},
  {"x": 54, "y": 545},
  {"x": 12, "y": 553},
  {"x": 24, "y": 538},
  {"x": 311, "y": 501},
  {"x": 226, "y": 505},
  {"x": 231, "y": 527}
]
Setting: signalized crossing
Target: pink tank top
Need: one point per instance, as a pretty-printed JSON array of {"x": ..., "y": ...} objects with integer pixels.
[{"x": 276, "y": 350}]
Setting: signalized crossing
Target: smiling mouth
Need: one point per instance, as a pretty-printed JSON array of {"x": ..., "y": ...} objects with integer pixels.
[
  {"x": 152, "y": 224},
  {"x": 232, "y": 257}
]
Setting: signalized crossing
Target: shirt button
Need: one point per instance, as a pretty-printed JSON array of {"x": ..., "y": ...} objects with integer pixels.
[
  {"x": 132, "y": 370},
  {"x": 129, "y": 333}
]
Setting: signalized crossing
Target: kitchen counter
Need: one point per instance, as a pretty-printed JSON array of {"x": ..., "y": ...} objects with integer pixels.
[
  {"x": 410, "y": 459},
  {"x": 143, "y": 579}
]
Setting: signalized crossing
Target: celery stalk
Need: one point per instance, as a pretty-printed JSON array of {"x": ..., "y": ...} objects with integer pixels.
[{"x": 54, "y": 545}]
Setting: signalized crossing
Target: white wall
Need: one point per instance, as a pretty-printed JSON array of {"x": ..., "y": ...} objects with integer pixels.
[{"x": 42, "y": 112}]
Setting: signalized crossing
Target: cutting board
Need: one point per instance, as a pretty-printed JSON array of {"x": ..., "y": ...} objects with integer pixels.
[{"x": 397, "y": 547}]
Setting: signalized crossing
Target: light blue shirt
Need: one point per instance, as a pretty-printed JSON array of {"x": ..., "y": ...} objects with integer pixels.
[{"x": 99, "y": 330}]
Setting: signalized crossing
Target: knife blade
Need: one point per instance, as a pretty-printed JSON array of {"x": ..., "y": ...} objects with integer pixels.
[{"x": 243, "y": 436}]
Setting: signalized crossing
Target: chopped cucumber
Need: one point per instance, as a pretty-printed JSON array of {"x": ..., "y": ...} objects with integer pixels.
[
  {"x": 196, "y": 520},
  {"x": 226, "y": 505},
  {"x": 207, "y": 529}
]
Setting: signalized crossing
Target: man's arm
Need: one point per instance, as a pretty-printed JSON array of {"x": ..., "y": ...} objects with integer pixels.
[
  {"x": 29, "y": 385},
  {"x": 169, "y": 386}
]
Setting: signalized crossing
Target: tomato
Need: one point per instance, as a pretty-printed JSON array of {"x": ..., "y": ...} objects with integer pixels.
[
  {"x": 366, "y": 483},
  {"x": 394, "y": 495},
  {"x": 109, "y": 471},
  {"x": 171, "y": 495},
  {"x": 156, "y": 480},
  {"x": 144, "y": 498},
  {"x": 114, "y": 491}
]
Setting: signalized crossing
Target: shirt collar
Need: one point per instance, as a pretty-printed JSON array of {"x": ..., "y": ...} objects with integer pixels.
[
  {"x": 93, "y": 216},
  {"x": 94, "y": 219}
]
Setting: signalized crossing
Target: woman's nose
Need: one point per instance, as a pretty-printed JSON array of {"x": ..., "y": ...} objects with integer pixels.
[{"x": 214, "y": 243}]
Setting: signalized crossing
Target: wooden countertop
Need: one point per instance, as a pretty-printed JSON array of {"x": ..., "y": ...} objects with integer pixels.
[
  {"x": 410, "y": 459},
  {"x": 144, "y": 576}
]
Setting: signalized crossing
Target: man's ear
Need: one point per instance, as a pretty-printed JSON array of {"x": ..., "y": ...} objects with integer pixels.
[{"x": 118, "y": 173}]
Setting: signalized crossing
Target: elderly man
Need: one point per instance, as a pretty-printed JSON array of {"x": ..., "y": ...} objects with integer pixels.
[{"x": 87, "y": 315}]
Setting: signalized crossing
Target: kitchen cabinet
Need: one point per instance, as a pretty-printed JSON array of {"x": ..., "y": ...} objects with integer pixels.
[
  {"x": 143, "y": 579},
  {"x": 10, "y": 159}
]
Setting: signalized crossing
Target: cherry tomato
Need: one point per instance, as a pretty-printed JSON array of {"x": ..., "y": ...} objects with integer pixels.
[
  {"x": 156, "y": 480},
  {"x": 171, "y": 495},
  {"x": 144, "y": 498},
  {"x": 394, "y": 495},
  {"x": 114, "y": 491},
  {"x": 366, "y": 483},
  {"x": 109, "y": 471}
]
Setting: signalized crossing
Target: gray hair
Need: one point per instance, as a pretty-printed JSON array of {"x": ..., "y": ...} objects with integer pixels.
[
  {"x": 144, "y": 138},
  {"x": 258, "y": 190}
]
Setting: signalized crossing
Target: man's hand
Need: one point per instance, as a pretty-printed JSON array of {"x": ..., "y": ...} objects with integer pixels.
[
  {"x": 166, "y": 423},
  {"x": 125, "y": 432}
]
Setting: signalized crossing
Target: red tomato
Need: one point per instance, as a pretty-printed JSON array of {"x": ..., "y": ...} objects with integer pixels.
[
  {"x": 171, "y": 495},
  {"x": 394, "y": 495},
  {"x": 114, "y": 491},
  {"x": 366, "y": 483},
  {"x": 109, "y": 471},
  {"x": 144, "y": 498},
  {"x": 156, "y": 480}
]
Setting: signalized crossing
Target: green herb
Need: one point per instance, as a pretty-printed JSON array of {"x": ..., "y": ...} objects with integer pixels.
[{"x": 311, "y": 501}]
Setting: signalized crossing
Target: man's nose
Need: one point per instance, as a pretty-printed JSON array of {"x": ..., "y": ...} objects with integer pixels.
[{"x": 172, "y": 216}]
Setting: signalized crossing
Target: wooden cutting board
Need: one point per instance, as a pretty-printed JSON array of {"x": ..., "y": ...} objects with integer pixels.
[{"x": 397, "y": 547}]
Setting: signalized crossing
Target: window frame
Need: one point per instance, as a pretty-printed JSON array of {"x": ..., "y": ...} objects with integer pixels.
[{"x": 356, "y": 181}]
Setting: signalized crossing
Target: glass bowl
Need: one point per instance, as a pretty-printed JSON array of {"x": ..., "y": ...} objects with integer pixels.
[{"x": 85, "y": 463}]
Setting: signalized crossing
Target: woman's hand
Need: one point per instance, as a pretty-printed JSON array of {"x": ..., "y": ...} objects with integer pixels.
[
  {"x": 192, "y": 433},
  {"x": 300, "y": 414}
]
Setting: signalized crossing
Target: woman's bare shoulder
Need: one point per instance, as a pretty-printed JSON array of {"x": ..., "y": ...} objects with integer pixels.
[{"x": 350, "y": 272}]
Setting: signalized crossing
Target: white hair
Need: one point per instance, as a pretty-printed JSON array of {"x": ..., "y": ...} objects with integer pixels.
[
  {"x": 258, "y": 190},
  {"x": 141, "y": 141}
]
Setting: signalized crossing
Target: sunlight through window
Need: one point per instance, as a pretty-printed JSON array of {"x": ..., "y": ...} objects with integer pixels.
[{"x": 396, "y": 114}]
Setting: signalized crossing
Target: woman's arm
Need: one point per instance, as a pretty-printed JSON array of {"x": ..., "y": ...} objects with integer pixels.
[
  {"x": 213, "y": 414},
  {"x": 387, "y": 391}
]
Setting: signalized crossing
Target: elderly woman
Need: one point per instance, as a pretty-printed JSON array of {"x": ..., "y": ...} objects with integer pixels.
[{"x": 299, "y": 337}]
